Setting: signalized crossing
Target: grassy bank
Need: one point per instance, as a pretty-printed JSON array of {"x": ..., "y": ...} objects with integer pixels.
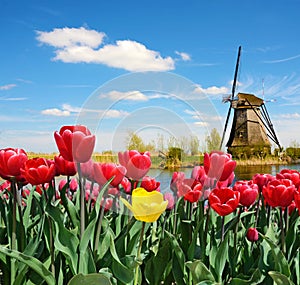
[{"x": 186, "y": 161}]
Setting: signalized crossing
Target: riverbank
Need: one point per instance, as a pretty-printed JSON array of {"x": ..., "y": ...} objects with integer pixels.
[{"x": 187, "y": 161}]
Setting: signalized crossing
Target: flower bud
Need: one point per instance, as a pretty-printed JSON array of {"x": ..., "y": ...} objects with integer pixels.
[{"x": 252, "y": 234}]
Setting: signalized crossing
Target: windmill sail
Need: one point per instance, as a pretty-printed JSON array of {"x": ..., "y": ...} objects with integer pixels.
[{"x": 232, "y": 94}]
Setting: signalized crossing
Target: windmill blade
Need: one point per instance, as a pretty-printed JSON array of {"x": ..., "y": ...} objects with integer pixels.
[{"x": 232, "y": 94}]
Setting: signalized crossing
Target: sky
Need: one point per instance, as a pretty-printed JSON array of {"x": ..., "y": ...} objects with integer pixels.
[{"x": 154, "y": 68}]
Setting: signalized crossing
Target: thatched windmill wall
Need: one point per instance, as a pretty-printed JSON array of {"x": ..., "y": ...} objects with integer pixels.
[{"x": 249, "y": 131}]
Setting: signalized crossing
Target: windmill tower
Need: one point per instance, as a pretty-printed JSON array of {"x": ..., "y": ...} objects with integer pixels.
[{"x": 252, "y": 128}]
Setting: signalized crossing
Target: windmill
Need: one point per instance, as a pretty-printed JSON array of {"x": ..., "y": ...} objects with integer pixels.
[{"x": 252, "y": 128}]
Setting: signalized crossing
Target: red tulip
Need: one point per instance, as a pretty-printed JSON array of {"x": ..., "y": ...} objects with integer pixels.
[
  {"x": 224, "y": 200},
  {"x": 297, "y": 200},
  {"x": 75, "y": 143},
  {"x": 279, "y": 192},
  {"x": 64, "y": 167},
  {"x": 125, "y": 185},
  {"x": 194, "y": 194},
  {"x": 291, "y": 174},
  {"x": 252, "y": 234},
  {"x": 38, "y": 170},
  {"x": 248, "y": 192},
  {"x": 218, "y": 165},
  {"x": 136, "y": 163},
  {"x": 150, "y": 184},
  {"x": 11, "y": 162},
  {"x": 105, "y": 171},
  {"x": 262, "y": 179}
]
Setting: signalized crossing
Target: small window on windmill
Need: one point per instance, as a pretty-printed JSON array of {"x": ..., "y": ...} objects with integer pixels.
[{"x": 240, "y": 135}]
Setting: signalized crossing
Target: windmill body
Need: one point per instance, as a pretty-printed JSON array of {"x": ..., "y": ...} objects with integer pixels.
[
  {"x": 252, "y": 130},
  {"x": 248, "y": 134}
]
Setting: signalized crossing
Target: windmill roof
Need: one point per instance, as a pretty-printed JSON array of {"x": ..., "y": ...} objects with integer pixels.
[{"x": 245, "y": 99}]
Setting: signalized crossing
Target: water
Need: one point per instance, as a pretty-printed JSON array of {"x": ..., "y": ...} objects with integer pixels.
[{"x": 241, "y": 173}]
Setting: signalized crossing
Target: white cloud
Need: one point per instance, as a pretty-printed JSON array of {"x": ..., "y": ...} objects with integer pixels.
[
  {"x": 56, "y": 112},
  {"x": 76, "y": 45},
  {"x": 7, "y": 87},
  {"x": 289, "y": 116},
  {"x": 283, "y": 59},
  {"x": 13, "y": 98},
  {"x": 201, "y": 124},
  {"x": 115, "y": 114},
  {"x": 115, "y": 95},
  {"x": 213, "y": 90},
  {"x": 69, "y": 37},
  {"x": 184, "y": 56}
]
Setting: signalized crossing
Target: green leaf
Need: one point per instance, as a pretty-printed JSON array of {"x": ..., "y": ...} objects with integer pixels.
[
  {"x": 221, "y": 258},
  {"x": 280, "y": 279},
  {"x": 178, "y": 252},
  {"x": 32, "y": 262},
  {"x": 199, "y": 271},
  {"x": 272, "y": 258},
  {"x": 65, "y": 241},
  {"x": 255, "y": 278},
  {"x": 158, "y": 263},
  {"x": 90, "y": 279},
  {"x": 122, "y": 272}
]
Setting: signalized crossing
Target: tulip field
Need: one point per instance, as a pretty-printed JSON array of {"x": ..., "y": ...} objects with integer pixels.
[{"x": 71, "y": 220}]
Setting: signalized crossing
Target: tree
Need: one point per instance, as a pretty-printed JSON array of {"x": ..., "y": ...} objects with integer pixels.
[
  {"x": 194, "y": 145},
  {"x": 135, "y": 142},
  {"x": 213, "y": 140}
]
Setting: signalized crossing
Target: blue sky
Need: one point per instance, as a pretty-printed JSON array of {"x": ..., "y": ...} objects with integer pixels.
[{"x": 66, "y": 62}]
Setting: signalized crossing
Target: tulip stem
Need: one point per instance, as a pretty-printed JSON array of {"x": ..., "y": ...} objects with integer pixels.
[
  {"x": 82, "y": 202},
  {"x": 96, "y": 245},
  {"x": 138, "y": 256},
  {"x": 223, "y": 226},
  {"x": 13, "y": 232},
  {"x": 282, "y": 231}
]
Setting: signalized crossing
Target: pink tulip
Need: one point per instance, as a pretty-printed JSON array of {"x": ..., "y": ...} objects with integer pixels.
[
  {"x": 75, "y": 143},
  {"x": 219, "y": 165},
  {"x": 136, "y": 163}
]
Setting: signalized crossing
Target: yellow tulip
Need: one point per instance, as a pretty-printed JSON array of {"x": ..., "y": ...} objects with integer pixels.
[{"x": 146, "y": 206}]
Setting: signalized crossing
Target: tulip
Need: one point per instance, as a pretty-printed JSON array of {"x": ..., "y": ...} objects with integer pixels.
[
  {"x": 136, "y": 163},
  {"x": 105, "y": 171},
  {"x": 279, "y": 192},
  {"x": 146, "y": 206},
  {"x": 262, "y": 179},
  {"x": 224, "y": 200},
  {"x": 252, "y": 234},
  {"x": 11, "y": 162},
  {"x": 87, "y": 170},
  {"x": 107, "y": 204},
  {"x": 218, "y": 165},
  {"x": 248, "y": 192},
  {"x": 64, "y": 167},
  {"x": 150, "y": 184},
  {"x": 38, "y": 170},
  {"x": 125, "y": 185},
  {"x": 291, "y": 174},
  {"x": 176, "y": 181},
  {"x": 168, "y": 196},
  {"x": 195, "y": 194},
  {"x": 297, "y": 200},
  {"x": 75, "y": 143}
]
